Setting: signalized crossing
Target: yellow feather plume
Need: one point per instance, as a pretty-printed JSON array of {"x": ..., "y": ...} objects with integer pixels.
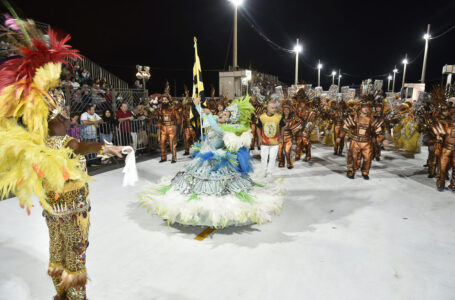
[
  {"x": 32, "y": 107},
  {"x": 48, "y": 76},
  {"x": 27, "y": 164}
]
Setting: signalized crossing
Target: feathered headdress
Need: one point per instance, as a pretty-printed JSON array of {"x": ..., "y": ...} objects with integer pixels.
[
  {"x": 438, "y": 98},
  {"x": 26, "y": 78},
  {"x": 26, "y": 163},
  {"x": 241, "y": 111}
]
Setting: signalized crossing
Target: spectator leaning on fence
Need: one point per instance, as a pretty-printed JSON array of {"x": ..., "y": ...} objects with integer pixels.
[
  {"x": 89, "y": 123},
  {"x": 108, "y": 126},
  {"x": 124, "y": 117}
]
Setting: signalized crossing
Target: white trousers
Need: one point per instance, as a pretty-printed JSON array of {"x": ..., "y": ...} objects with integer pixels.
[{"x": 268, "y": 158}]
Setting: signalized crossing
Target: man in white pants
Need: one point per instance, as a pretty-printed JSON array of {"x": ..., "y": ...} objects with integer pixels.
[{"x": 270, "y": 131}]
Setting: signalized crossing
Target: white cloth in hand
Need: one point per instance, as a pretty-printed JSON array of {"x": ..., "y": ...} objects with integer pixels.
[{"x": 130, "y": 176}]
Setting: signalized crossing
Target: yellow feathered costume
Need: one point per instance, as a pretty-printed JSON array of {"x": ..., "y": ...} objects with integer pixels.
[{"x": 26, "y": 163}]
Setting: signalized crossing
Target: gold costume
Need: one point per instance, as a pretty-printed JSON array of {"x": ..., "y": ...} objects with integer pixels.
[
  {"x": 291, "y": 129},
  {"x": 337, "y": 118},
  {"x": 189, "y": 132},
  {"x": 445, "y": 150},
  {"x": 168, "y": 119},
  {"x": 68, "y": 232},
  {"x": 361, "y": 129},
  {"x": 258, "y": 110},
  {"x": 406, "y": 135}
]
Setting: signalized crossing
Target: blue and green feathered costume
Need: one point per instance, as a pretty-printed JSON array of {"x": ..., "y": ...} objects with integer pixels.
[{"x": 215, "y": 188}]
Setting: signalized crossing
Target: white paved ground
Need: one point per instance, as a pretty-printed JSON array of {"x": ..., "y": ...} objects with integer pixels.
[{"x": 392, "y": 237}]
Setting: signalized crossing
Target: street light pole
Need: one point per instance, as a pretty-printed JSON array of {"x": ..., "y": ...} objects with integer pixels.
[
  {"x": 405, "y": 63},
  {"x": 395, "y": 71},
  {"x": 339, "y": 77},
  {"x": 333, "y": 77},
  {"x": 388, "y": 83},
  {"x": 234, "y": 50},
  {"x": 297, "y": 50},
  {"x": 427, "y": 37},
  {"x": 319, "y": 72}
]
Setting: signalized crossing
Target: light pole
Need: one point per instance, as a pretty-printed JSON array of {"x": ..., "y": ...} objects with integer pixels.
[
  {"x": 319, "y": 73},
  {"x": 388, "y": 83},
  {"x": 426, "y": 37},
  {"x": 339, "y": 77},
  {"x": 236, "y": 3},
  {"x": 333, "y": 76},
  {"x": 405, "y": 63},
  {"x": 297, "y": 50},
  {"x": 395, "y": 71},
  {"x": 143, "y": 73}
]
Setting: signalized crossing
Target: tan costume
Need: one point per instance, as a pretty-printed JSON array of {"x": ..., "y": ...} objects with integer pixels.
[
  {"x": 361, "y": 129},
  {"x": 254, "y": 119},
  {"x": 189, "y": 132},
  {"x": 445, "y": 150},
  {"x": 168, "y": 121},
  {"x": 377, "y": 145},
  {"x": 291, "y": 129},
  {"x": 338, "y": 121},
  {"x": 68, "y": 232},
  {"x": 308, "y": 116}
]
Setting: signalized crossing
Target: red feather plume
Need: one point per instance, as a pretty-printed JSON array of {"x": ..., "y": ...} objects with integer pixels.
[{"x": 39, "y": 54}]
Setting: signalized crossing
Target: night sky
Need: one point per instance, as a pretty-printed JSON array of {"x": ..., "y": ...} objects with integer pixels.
[{"x": 363, "y": 38}]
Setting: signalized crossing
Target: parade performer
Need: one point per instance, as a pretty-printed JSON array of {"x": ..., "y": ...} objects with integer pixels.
[
  {"x": 445, "y": 150},
  {"x": 215, "y": 189},
  {"x": 270, "y": 131},
  {"x": 38, "y": 158},
  {"x": 427, "y": 119},
  {"x": 309, "y": 128},
  {"x": 168, "y": 122},
  {"x": 292, "y": 127},
  {"x": 302, "y": 113},
  {"x": 361, "y": 129},
  {"x": 438, "y": 111},
  {"x": 327, "y": 125},
  {"x": 379, "y": 117},
  {"x": 338, "y": 119},
  {"x": 258, "y": 110},
  {"x": 190, "y": 123},
  {"x": 406, "y": 134}
]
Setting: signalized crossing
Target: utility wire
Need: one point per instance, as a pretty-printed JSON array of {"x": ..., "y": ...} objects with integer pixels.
[
  {"x": 272, "y": 43},
  {"x": 442, "y": 34},
  {"x": 263, "y": 36}
]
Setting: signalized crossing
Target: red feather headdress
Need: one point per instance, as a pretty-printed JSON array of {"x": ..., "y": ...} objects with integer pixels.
[{"x": 34, "y": 57}]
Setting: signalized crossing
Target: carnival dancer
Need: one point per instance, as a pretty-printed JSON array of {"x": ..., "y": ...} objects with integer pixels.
[
  {"x": 190, "y": 123},
  {"x": 379, "y": 117},
  {"x": 310, "y": 128},
  {"x": 427, "y": 119},
  {"x": 38, "y": 158},
  {"x": 214, "y": 189},
  {"x": 292, "y": 127},
  {"x": 361, "y": 129},
  {"x": 445, "y": 150},
  {"x": 326, "y": 124},
  {"x": 270, "y": 131},
  {"x": 168, "y": 122},
  {"x": 302, "y": 113},
  {"x": 406, "y": 134},
  {"x": 70, "y": 220},
  {"x": 338, "y": 119},
  {"x": 258, "y": 110}
]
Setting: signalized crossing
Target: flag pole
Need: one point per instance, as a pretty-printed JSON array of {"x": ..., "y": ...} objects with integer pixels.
[{"x": 194, "y": 88}]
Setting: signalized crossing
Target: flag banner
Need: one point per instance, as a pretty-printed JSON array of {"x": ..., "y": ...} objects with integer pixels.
[{"x": 198, "y": 84}]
